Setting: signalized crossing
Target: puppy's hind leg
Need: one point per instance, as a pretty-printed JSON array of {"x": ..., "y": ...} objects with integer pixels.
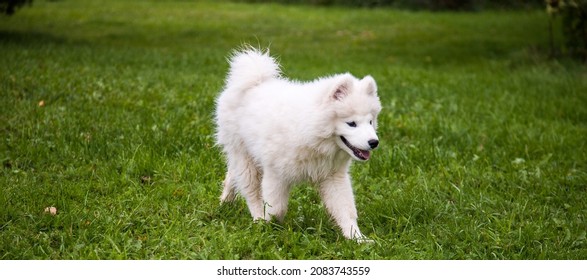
[
  {"x": 228, "y": 192},
  {"x": 275, "y": 195},
  {"x": 245, "y": 176}
]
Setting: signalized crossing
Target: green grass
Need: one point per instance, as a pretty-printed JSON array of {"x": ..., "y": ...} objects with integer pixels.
[{"x": 482, "y": 152}]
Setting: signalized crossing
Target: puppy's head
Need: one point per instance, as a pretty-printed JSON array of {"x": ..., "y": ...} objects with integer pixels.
[{"x": 356, "y": 106}]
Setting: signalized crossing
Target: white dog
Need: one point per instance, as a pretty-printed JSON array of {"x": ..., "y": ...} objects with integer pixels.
[{"x": 276, "y": 132}]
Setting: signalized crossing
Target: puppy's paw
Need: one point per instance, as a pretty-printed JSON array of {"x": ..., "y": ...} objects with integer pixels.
[{"x": 363, "y": 239}]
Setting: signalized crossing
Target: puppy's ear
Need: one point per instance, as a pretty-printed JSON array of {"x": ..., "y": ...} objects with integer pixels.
[
  {"x": 343, "y": 87},
  {"x": 369, "y": 85}
]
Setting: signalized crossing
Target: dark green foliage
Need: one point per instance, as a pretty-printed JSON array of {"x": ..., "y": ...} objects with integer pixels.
[
  {"x": 434, "y": 5},
  {"x": 9, "y": 6},
  {"x": 574, "y": 25}
]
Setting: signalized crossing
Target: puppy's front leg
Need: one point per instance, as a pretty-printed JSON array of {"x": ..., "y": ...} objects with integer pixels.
[{"x": 337, "y": 195}]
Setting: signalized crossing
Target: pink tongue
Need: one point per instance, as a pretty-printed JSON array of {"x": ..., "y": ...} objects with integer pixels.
[{"x": 364, "y": 154}]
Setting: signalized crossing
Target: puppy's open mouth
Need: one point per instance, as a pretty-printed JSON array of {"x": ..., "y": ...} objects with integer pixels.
[{"x": 360, "y": 154}]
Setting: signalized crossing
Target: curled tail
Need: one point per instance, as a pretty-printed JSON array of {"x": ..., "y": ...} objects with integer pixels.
[{"x": 250, "y": 67}]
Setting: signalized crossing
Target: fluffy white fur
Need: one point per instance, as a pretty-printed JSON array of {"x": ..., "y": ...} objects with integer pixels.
[{"x": 276, "y": 132}]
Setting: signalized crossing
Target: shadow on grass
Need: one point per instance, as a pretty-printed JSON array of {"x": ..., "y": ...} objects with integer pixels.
[{"x": 30, "y": 38}]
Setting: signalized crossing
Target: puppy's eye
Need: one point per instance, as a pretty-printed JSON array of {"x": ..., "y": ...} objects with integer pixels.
[
  {"x": 352, "y": 124},
  {"x": 371, "y": 122}
]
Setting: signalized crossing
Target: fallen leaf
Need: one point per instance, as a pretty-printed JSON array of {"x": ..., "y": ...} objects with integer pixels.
[{"x": 51, "y": 210}]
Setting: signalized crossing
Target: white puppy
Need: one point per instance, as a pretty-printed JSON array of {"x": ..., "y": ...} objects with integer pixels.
[{"x": 276, "y": 132}]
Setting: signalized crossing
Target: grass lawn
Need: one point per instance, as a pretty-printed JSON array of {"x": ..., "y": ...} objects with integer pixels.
[{"x": 106, "y": 114}]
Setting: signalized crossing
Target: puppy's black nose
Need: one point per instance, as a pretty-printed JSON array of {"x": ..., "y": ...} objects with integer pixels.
[{"x": 373, "y": 143}]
